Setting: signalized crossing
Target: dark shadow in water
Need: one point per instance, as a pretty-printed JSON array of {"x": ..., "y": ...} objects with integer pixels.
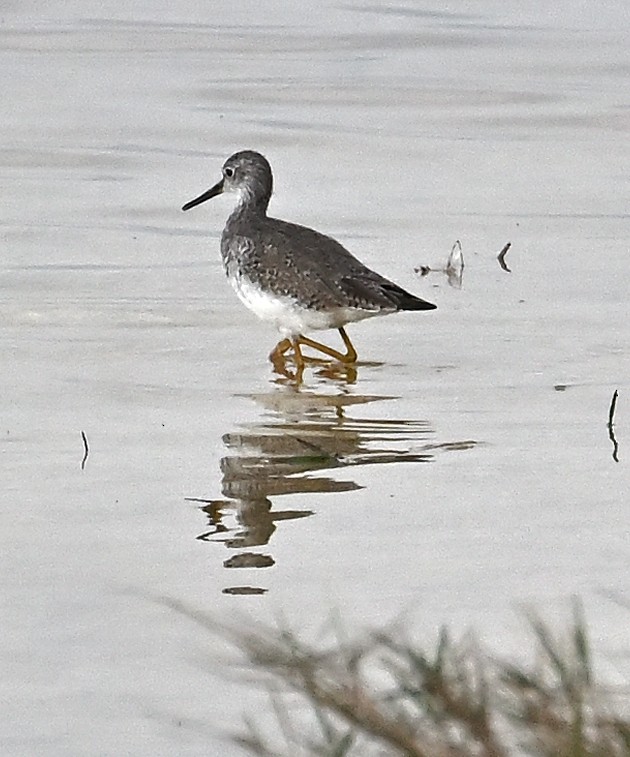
[{"x": 301, "y": 437}]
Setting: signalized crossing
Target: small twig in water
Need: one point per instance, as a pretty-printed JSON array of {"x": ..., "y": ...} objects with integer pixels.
[
  {"x": 86, "y": 450},
  {"x": 456, "y": 258},
  {"x": 455, "y": 266},
  {"x": 453, "y": 269},
  {"x": 611, "y": 425},
  {"x": 501, "y": 257},
  {"x": 611, "y": 412}
]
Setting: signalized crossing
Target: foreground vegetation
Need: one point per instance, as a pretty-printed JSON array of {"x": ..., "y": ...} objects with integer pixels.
[{"x": 381, "y": 695}]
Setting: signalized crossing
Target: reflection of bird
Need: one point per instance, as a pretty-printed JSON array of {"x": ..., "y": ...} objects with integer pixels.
[{"x": 292, "y": 276}]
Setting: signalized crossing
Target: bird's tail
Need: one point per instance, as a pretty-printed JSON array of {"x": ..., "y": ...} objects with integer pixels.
[{"x": 404, "y": 300}]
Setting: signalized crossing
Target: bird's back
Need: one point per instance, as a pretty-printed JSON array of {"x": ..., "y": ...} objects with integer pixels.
[{"x": 292, "y": 260}]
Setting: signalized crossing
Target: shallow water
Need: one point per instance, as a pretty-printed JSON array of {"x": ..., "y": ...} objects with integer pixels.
[{"x": 465, "y": 470}]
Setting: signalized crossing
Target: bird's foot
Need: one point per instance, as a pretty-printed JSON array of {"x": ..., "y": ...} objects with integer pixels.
[{"x": 279, "y": 357}]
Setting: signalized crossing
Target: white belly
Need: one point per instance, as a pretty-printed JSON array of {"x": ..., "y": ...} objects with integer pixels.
[{"x": 287, "y": 315}]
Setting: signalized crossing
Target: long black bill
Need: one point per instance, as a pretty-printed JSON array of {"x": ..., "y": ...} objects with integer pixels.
[{"x": 209, "y": 194}]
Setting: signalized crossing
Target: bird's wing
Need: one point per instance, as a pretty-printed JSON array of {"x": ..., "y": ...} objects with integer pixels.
[{"x": 323, "y": 266}]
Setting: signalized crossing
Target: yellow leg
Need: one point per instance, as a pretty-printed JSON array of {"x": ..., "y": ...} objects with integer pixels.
[
  {"x": 278, "y": 359},
  {"x": 297, "y": 354},
  {"x": 350, "y": 355},
  {"x": 277, "y": 354}
]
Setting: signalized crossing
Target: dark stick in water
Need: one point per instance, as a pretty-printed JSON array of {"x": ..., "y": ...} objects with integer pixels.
[
  {"x": 501, "y": 257},
  {"x": 611, "y": 424},
  {"x": 85, "y": 448}
]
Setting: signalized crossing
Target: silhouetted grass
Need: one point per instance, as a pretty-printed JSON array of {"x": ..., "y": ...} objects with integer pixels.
[{"x": 381, "y": 695}]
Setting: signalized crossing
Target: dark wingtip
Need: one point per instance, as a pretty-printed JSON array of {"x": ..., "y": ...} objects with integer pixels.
[
  {"x": 415, "y": 303},
  {"x": 404, "y": 300}
]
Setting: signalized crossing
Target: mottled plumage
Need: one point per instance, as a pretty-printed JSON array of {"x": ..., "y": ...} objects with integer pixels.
[{"x": 295, "y": 277}]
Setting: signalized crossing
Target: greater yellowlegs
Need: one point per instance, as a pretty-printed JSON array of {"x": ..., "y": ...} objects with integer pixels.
[{"x": 294, "y": 277}]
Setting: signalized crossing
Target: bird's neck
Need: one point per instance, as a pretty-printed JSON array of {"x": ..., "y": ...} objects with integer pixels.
[{"x": 250, "y": 204}]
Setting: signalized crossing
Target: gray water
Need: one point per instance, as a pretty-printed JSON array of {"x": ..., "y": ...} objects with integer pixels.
[{"x": 466, "y": 470}]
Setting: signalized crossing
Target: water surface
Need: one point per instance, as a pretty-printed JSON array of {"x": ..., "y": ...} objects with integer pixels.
[{"x": 464, "y": 470}]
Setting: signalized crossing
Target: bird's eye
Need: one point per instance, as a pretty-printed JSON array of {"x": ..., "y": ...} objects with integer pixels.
[{"x": 229, "y": 172}]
